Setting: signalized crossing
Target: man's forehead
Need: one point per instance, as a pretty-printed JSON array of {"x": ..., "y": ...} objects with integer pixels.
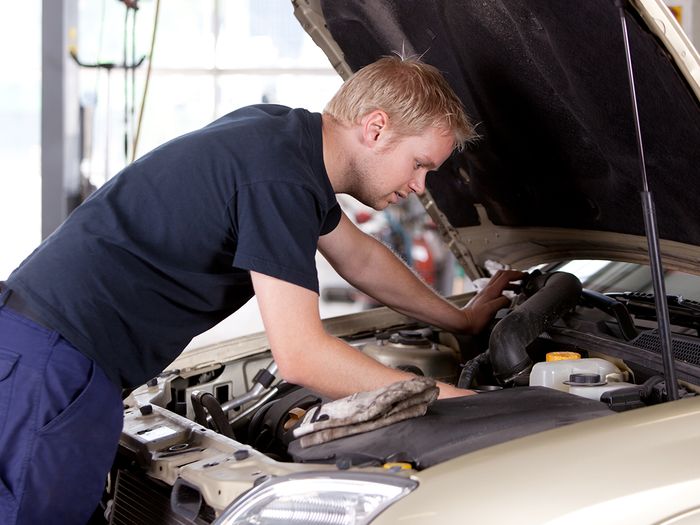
[{"x": 436, "y": 144}]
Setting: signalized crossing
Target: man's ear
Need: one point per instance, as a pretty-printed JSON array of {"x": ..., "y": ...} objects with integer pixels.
[{"x": 374, "y": 127}]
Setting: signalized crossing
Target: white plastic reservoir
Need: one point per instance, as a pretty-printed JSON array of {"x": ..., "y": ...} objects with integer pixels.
[
  {"x": 595, "y": 392},
  {"x": 552, "y": 374}
]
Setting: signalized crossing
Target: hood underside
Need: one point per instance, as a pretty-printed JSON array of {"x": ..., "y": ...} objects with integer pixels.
[{"x": 546, "y": 82}]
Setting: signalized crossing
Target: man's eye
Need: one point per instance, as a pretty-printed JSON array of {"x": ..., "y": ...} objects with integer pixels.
[{"x": 418, "y": 165}]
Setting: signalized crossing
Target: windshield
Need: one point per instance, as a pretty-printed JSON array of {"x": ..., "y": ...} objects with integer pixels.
[{"x": 610, "y": 276}]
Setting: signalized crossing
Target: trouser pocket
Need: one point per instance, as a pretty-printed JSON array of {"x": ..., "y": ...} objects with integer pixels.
[
  {"x": 59, "y": 406},
  {"x": 75, "y": 447},
  {"x": 8, "y": 362}
]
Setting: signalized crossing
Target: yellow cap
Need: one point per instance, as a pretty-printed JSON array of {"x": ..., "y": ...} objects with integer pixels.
[
  {"x": 561, "y": 356},
  {"x": 401, "y": 465}
]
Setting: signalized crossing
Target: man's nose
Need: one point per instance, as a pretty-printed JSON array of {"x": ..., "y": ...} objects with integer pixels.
[{"x": 417, "y": 185}]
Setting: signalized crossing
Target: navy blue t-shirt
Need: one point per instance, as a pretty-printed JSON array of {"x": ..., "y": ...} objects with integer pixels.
[{"x": 162, "y": 252}]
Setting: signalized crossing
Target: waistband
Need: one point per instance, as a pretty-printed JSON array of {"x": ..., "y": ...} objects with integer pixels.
[{"x": 11, "y": 299}]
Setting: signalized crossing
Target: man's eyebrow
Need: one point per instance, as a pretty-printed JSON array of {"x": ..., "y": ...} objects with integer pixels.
[{"x": 426, "y": 162}]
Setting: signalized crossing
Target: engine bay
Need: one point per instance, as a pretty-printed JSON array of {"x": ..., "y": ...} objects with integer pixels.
[{"x": 204, "y": 433}]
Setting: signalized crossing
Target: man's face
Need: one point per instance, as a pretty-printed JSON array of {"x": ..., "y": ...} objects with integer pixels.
[{"x": 398, "y": 168}]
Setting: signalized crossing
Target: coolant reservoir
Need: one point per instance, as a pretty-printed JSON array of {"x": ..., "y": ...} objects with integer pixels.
[
  {"x": 596, "y": 391},
  {"x": 553, "y": 374}
]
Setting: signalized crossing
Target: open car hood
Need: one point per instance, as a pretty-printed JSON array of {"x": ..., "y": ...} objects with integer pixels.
[{"x": 556, "y": 173}]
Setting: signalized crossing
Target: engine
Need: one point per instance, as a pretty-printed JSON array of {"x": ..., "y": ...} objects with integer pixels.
[{"x": 224, "y": 422}]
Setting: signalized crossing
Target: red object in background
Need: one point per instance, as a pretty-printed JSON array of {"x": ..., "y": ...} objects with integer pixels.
[
  {"x": 362, "y": 216},
  {"x": 423, "y": 261}
]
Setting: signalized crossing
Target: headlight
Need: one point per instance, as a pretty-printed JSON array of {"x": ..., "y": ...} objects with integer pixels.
[{"x": 317, "y": 498}]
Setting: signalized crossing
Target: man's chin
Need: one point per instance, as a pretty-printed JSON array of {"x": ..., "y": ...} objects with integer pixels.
[{"x": 375, "y": 204}]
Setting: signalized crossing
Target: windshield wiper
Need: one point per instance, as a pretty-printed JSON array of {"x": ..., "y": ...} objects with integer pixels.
[
  {"x": 682, "y": 312},
  {"x": 614, "y": 308}
]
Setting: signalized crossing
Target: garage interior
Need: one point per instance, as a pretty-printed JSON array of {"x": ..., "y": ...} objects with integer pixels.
[{"x": 91, "y": 85}]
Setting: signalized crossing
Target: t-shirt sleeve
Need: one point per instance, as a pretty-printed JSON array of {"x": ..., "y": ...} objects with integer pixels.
[{"x": 277, "y": 226}]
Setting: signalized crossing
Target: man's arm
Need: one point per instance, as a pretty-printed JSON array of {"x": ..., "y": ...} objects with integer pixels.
[
  {"x": 306, "y": 355},
  {"x": 373, "y": 268}
]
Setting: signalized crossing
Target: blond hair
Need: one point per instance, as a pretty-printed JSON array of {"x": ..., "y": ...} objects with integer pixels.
[{"x": 413, "y": 94}]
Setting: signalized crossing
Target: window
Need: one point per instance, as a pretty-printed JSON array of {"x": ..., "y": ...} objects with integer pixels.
[
  {"x": 210, "y": 57},
  {"x": 20, "y": 127}
]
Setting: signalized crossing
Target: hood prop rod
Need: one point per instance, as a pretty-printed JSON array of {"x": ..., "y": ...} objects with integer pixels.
[{"x": 652, "y": 232}]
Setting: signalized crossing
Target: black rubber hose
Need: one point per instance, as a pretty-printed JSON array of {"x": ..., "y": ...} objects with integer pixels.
[
  {"x": 470, "y": 369},
  {"x": 551, "y": 295},
  {"x": 200, "y": 416},
  {"x": 219, "y": 419}
]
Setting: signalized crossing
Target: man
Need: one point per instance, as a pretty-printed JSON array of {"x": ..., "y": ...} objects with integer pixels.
[{"x": 182, "y": 238}]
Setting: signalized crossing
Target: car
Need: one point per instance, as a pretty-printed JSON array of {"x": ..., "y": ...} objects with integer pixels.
[{"x": 586, "y": 413}]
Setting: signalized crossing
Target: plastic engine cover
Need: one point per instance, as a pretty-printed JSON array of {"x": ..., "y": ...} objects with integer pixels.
[{"x": 453, "y": 427}]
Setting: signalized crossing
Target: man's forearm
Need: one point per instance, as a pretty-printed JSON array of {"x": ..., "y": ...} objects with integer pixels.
[
  {"x": 374, "y": 269},
  {"x": 336, "y": 370},
  {"x": 389, "y": 280},
  {"x": 305, "y": 353}
]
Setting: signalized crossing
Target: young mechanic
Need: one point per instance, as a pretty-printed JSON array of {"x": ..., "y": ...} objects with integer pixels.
[{"x": 186, "y": 235}]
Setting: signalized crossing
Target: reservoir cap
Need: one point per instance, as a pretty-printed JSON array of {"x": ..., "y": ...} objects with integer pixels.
[
  {"x": 585, "y": 379},
  {"x": 562, "y": 356}
]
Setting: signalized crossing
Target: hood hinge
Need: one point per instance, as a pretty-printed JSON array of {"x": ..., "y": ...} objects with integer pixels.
[{"x": 451, "y": 237}]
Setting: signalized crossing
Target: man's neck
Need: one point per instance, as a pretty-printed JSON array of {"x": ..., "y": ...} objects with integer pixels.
[{"x": 336, "y": 150}]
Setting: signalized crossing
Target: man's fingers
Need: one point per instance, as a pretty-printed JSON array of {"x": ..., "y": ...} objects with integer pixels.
[
  {"x": 502, "y": 279},
  {"x": 499, "y": 302},
  {"x": 508, "y": 275}
]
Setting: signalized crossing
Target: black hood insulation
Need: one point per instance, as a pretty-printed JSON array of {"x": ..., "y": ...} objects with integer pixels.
[{"x": 547, "y": 84}]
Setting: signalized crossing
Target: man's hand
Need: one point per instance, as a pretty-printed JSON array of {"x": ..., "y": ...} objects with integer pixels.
[
  {"x": 484, "y": 305},
  {"x": 448, "y": 391}
]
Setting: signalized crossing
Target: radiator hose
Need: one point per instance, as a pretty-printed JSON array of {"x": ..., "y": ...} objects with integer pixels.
[{"x": 549, "y": 296}]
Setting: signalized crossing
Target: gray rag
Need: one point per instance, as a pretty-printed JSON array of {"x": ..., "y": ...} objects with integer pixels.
[{"x": 365, "y": 411}]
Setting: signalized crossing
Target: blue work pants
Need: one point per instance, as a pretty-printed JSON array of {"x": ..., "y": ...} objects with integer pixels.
[{"x": 60, "y": 421}]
